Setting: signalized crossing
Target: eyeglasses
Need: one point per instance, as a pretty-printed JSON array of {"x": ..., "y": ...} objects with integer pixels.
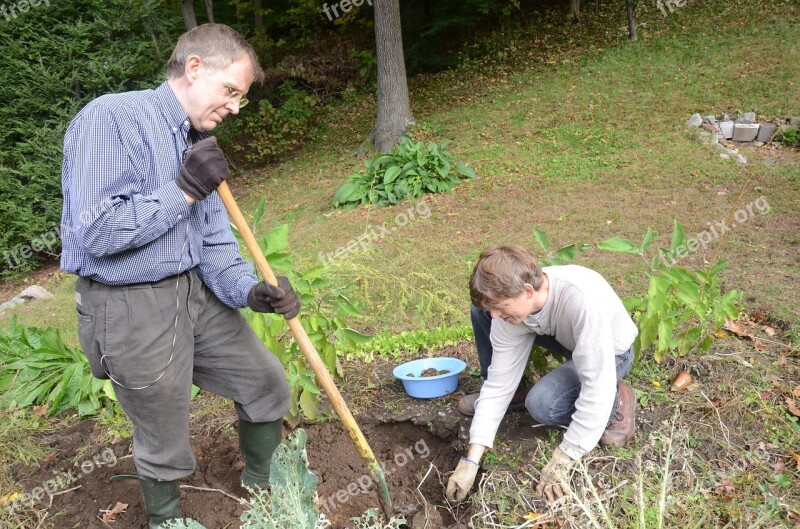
[{"x": 236, "y": 96}]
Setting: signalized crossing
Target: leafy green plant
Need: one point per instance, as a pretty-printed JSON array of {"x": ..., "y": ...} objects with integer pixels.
[
  {"x": 410, "y": 170},
  {"x": 682, "y": 308},
  {"x": 273, "y": 130},
  {"x": 38, "y": 368},
  {"x": 790, "y": 137},
  {"x": 324, "y": 309},
  {"x": 289, "y": 503},
  {"x": 563, "y": 255},
  {"x": 395, "y": 345}
]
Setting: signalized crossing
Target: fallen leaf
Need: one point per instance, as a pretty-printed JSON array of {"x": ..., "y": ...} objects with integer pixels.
[
  {"x": 738, "y": 328},
  {"x": 770, "y": 331},
  {"x": 49, "y": 458},
  {"x": 721, "y": 334},
  {"x": 110, "y": 516},
  {"x": 792, "y": 407},
  {"x": 41, "y": 411},
  {"x": 10, "y": 497},
  {"x": 532, "y": 515},
  {"x": 759, "y": 345},
  {"x": 796, "y": 392},
  {"x": 782, "y": 360}
]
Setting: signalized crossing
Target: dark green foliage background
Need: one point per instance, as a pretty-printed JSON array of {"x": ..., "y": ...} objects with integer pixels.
[{"x": 56, "y": 58}]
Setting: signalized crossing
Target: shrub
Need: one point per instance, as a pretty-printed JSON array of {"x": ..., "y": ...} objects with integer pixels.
[
  {"x": 410, "y": 170},
  {"x": 271, "y": 132},
  {"x": 790, "y": 137},
  {"x": 56, "y": 57},
  {"x": 324, "y": 309}
]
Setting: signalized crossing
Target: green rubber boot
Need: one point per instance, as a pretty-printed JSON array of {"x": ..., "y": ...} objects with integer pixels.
[
  {"x": 161, "y": 499},
  {"x": 258, "y": 441}
]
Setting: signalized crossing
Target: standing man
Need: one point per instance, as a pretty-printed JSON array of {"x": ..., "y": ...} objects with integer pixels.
[
  {"x": 574, "y": 313},
  {"x": 160, "y": 275}
]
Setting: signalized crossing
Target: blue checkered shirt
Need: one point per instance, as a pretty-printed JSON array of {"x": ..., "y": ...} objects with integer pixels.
[{"x": 124, "y": 219}]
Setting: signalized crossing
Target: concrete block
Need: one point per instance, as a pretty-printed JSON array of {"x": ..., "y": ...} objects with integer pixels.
[
  {"x": 726, "y": 127},
  {"x": 745, "y": 131},
  {"x": 765, "y": 132},
  {"x": 793, "y": 121},
  {"x": 709, "y": 119}
]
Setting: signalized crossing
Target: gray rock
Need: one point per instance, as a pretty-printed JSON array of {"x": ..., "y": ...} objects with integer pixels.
[
  {"x": 695, "y": 121},
  {"x": 759, "y": 143},
  {"x": 741, "y": 159},
  {"x": 793, "y": 121},
  {"x": 725, "y": 117},
  {"x": 726, "y": 127},
  {"x": 709, "y": 119},
  {"x": 765, "y": 132},
  {"x": 745, "y": 131},
  {"x": 747, "y": 118},
  {"x": 724, "y": 156},
  {"x": 32, "y": 293},
  {"x": 710, "y": 127}
]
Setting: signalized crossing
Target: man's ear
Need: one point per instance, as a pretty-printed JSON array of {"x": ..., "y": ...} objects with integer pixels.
[
  {"x": 529, "y": 290},
  {"x": 192, "y": 68}
]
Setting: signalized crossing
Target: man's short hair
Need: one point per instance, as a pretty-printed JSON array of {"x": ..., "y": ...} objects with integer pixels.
[
  {"x": 501, "y": 273},
  {"x": 217, "y": 45}
]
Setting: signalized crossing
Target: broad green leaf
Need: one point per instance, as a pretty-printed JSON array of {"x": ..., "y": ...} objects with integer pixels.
[
  {"x": 466, "y": 170},
  {"x": 308, "y": 403},
  {"x": 648, "y": 240},
  {"x": 678, "y": 236},
  {"x": 619, "y": 245},
  {"x": 352, "y": 337},
  {"x": 259, "y": 213},
  {"x": 278, "y": 238},
  {"x": 541, "y": 238},
  {"x": 391, "y": 174}
]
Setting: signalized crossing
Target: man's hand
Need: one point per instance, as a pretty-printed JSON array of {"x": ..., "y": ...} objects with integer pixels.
[
  {"x": 203, "y": 170},
  {"x": 462, "y": 479},
  {"x": 280, "y": 299},
  {"x": 554, "y": 474}
]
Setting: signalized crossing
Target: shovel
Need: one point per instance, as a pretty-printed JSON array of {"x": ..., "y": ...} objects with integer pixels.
[{"x": 312, "y": 357}]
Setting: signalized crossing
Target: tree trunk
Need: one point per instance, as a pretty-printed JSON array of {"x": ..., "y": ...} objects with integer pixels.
[
  {"x": 189, "y": 18},
  {"x": 575, "y": 10},
  {"x": 631, "y": 5},
  {"x": 394, "y": 109},
  {"x": 210, "y": 10},
  {"x": 258, "y": 16}
]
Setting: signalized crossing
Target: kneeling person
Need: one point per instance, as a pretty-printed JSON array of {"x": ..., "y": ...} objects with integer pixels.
[{"x": 573, "y": 312}]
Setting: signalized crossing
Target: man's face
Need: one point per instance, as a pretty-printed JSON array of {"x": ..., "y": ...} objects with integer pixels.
[
  {"x": 215, "y": 93},
  {"x": 512, "y": 310}
]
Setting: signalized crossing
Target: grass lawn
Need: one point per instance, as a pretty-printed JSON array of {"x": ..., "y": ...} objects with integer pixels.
[{"x": 575, "y": 131}]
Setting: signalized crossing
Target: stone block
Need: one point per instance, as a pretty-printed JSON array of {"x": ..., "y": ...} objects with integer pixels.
[
  {"x": 709, "y": 119},
  {"x": 747, "y": 118},
  {"x": 695, "y": 121},
  {"x": 745, "y": 131},
  {"x": 793, "y": 121},
  {"x": 765, "y": 132},
  {"x": 710, "y": 127},
  {"x": 726, "y": 127}
]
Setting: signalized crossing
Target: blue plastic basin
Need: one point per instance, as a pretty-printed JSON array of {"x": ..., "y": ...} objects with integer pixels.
[{"x": 430, "y": 387}]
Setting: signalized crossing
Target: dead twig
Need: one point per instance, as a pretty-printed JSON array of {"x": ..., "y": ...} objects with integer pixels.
[
  {"x": 206, "y": 489},
  {"x": 59, "y": 493}
]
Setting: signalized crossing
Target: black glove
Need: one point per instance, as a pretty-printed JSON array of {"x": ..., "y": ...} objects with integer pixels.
[
  {"x": 280, "y": 299},
  {"x": 203, "y": 170}
]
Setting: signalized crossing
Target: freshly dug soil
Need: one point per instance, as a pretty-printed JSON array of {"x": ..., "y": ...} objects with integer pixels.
[{"x": 431, "y": 372}]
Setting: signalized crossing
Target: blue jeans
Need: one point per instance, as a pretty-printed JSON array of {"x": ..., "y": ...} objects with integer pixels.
[{"x": 552, "y": 399}]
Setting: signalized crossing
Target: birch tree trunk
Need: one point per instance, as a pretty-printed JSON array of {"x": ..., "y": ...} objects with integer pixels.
[
  {"x": 631, "y": 7},
  {"x": 575, "y": 10},
  {"x": 394, "y": 109}
]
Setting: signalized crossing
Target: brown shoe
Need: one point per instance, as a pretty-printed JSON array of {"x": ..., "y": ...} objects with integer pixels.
[
  {"x": 467, "y": 403},
  {"x": 620, "y": 429}
]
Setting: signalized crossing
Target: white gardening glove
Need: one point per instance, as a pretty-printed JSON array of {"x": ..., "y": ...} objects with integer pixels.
[
  {"x": 462, "y": 479},
  {"x": 554, "y": 474}
]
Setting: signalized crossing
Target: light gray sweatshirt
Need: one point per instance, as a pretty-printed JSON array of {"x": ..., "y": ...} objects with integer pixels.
[{"x": 585, "y": 315}]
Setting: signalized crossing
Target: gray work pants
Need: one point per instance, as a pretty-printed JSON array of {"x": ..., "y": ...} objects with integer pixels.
[{"x": 132, "y": 329}]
